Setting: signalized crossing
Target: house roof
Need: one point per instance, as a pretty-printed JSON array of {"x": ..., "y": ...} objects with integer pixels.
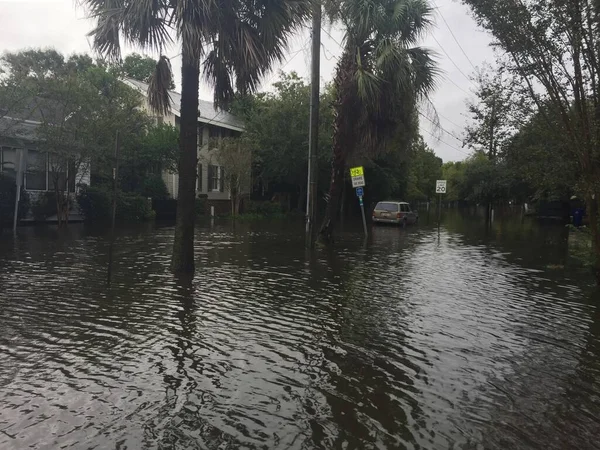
[{"x": 208, "y": 113}]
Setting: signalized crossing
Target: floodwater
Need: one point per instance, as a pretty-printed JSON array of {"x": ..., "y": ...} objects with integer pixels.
[{"x": 419, "y": 339}]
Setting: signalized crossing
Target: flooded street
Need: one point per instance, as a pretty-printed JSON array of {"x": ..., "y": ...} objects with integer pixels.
[{"x": 461, "y": 339}]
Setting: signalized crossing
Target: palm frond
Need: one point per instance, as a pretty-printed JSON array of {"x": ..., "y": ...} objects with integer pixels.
[
  {"x": 158, "y": 86},
  {"x": 426, "y": 71},
  {"x": 109, "y": 15}
]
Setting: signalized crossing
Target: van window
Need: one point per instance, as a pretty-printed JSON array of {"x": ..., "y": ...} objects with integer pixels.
[{"x": 385, "y": 206}]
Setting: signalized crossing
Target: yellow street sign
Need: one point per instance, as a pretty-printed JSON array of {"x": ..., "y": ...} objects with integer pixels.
[{"x": 356, "y": 171}]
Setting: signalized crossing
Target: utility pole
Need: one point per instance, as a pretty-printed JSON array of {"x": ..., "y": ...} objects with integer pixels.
[
  {"x": 114, "y": 206},
  {"x": 19, "y": 182},
  {"x": 313, "y": 134}
]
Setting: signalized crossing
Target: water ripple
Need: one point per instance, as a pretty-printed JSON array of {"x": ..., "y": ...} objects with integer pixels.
[{"x": 416, "y": 340}]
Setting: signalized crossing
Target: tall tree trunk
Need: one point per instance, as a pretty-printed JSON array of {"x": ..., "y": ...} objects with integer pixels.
[
  {"x": 343, "y": 140},
  {"x": 183, "y": 246}
]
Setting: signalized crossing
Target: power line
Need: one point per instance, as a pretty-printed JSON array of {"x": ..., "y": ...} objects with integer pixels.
[
  {"x": 451, "y": 60},
  {"x": 453, "y": 36},
  {"x": 440, "y": 127},
  {"x": 444, "y": 142}
]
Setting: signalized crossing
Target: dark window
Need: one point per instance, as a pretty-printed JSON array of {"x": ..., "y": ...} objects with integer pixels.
[
  {"x": 200, "y": 135},
  {"x": 35, "y": 179},
  {"x": 213, "y": 178},
  {"x": 404, "y": 208},
  {"x": 214, "y": 132},
  {"x": 199, "y": 177},
  {"x": 390, "y": 207},
  {"x": 222, "y": 179}
]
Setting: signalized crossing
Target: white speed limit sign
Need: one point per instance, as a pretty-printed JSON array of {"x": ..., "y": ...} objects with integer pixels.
[{"x": 440, "y": 187}]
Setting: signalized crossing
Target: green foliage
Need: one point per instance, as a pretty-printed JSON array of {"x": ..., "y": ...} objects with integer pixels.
[
  {"x": 537, "y": 159},
  {"x": 424, "y": 169},
  {"x": 80, "y": 105},
  {"x": 154, "y": 187},
  {"x": 140, "y": 68},
  {"x": 263, "y": 209},
  {"x": 44, "y": 206},
  {"x": 277, "y": 129},
  {"x": 8, "y": 190},
  {"x": 95, "y": 204},
  {"x": 200, "y": 206},
  {"x": 159, "y": 149}
]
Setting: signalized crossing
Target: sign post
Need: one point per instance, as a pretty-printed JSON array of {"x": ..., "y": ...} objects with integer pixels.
[
  {"x": 440, "y": 188},
  {"x": 21, "y": 158},
  {"x": 358, "y": 182}
]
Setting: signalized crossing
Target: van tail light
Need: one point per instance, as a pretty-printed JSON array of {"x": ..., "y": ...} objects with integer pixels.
[{"x": 399, "y": 216}]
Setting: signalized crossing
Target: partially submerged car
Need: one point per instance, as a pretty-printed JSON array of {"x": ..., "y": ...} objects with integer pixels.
[{"x": 399, "y": 213}]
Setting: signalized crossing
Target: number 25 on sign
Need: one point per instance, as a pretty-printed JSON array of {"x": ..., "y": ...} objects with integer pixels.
[{"x": 356, "y": 171}]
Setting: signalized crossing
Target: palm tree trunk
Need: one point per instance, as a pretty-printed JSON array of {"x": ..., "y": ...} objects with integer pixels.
[
  {"x": 183, "y": 246},
  {"x": 343, "y": 141}
]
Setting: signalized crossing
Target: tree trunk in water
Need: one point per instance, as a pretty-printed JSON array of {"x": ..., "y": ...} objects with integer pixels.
[
  {"x": 183, "y": 246},
  {"x": 343, "y": 140}
]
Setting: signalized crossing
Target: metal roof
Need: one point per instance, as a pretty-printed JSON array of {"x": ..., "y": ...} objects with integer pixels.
[{"x": 208, "y": 113}]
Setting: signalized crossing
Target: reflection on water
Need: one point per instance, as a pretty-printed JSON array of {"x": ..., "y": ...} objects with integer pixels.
[{"x": 415, "y": 339}]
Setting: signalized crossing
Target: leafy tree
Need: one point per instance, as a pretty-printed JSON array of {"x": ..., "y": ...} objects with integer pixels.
[
  {"x": 424, "y": 169},
  {"x": 538, "y": 161},
  {"x": 141, "y": 68},
  {"x": 277, "y": 128},
  {"x": 235, "y": 156},
  {"x": 79, "y": 106},
  {"x": 553, "y": 47},
  {"x": 379, "y": 79},
  {"x": 493, "y": 112},
  {"x": 235, "y": 42}
]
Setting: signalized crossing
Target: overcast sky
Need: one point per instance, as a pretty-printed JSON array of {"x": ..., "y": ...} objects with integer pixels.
[{"x": 62, "y": 25}]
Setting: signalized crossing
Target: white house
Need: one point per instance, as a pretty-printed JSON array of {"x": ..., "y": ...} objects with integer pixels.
[
  {"x": 212, "y": 123},
  {"x": 19, "y": 136}
]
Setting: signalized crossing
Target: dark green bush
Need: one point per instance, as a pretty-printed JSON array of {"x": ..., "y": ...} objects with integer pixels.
[
  {"x": 154, "y": 187},
  {"x": 7, "y": 201},
  {"x": 44, "y": 206},
  {"x": 96, "y": 205},
  {"x": 262, "y": 208},
  {"x": 201, "y": 202}
]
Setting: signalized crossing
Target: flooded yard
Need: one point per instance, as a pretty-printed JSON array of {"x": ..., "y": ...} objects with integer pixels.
[{"x": 417, "y": 338}]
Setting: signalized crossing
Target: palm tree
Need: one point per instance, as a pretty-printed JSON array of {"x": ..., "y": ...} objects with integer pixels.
[
  {"x": 235, "y": 42},
  {"x": 379, "y": 80}
]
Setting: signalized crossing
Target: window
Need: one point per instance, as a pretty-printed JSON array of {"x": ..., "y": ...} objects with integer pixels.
[
  {"x": 200, "y": 135},
  {"x": 214, "y": 178},
  {"x": 404, "y": 208},
  {"x": 214, "y": 132},
  {"x": 35, "y": 178},
  {"x": 390, "y": 207},
  {"x": 199, "y": 179},
  {"x": 8, "y": 160}
]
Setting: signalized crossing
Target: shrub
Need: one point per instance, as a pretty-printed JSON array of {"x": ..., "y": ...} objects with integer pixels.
[
  {"x": 96, "y": 205},
  {"x": 7, "y": 201},
  {"x": 262, "y": 208},
  {"x": 201, "y": 202},
  {"x": 154, "y": 187},
  {"x": 44, "y": 206}
]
